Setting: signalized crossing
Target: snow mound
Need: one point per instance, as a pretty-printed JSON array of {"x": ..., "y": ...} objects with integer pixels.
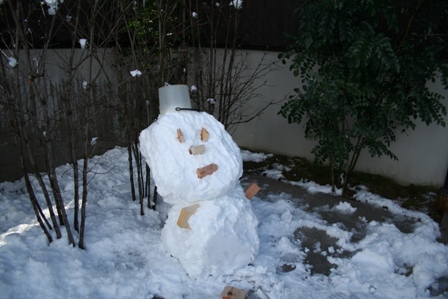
[{"x": 223, "y": 235}]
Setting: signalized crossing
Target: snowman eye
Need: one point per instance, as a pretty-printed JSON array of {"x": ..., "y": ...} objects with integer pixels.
[
  {"x": 180, "y": 136},
  {"x": 204, "y": 135}
]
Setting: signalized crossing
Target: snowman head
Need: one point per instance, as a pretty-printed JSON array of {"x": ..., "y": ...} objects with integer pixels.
[{"x": 191, "y": 156}]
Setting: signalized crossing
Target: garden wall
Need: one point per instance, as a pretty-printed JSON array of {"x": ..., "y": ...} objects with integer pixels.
[
  {"x": 422, "y": 154},
  {"x": 105, "y": 126}
]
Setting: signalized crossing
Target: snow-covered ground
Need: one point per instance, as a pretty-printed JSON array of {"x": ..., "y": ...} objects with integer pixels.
[{"x": 125, "y": 257}]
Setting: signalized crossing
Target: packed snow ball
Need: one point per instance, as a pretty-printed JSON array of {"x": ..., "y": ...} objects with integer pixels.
[{"x": 175, "y": 168}]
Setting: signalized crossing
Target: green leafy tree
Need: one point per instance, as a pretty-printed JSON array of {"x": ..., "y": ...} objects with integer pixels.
[{"x": 364, "y": 66}]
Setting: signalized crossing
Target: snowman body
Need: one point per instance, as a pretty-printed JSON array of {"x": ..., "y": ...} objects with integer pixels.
[{"x": 196, "y": 164}]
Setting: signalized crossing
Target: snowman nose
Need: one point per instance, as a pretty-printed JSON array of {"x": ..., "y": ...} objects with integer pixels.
[{"x": 197, "y": 150}]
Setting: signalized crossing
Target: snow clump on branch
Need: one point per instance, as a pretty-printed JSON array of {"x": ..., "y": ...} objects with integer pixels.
[
  {"x": 83, "y": 43},
  {"x": 12, "y": 61},
  {"x": 238, "y": 4},
  {"x": 136, "y": 73},
  {"x": 53, "y": 6}
]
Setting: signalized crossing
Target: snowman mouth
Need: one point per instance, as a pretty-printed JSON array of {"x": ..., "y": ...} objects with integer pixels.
[{"x": 206, "y": 170}]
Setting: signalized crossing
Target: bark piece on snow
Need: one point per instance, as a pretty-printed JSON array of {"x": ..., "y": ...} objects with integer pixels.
[
  {"x": 230, "y": 292},
  {"x": 251, "y": 190}
]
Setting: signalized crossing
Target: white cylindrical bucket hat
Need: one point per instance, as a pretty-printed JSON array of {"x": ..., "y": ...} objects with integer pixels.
[{"x": 172, "y": 97}]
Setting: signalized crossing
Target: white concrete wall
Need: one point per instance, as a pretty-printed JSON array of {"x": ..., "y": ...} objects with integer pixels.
[{"x": 422, "y": 154}]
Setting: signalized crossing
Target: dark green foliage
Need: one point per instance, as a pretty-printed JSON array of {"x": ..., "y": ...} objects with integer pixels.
[{"x": 364, "y": 66}]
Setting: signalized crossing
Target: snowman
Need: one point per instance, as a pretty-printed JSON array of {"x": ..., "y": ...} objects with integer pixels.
[{"x": 211, "y": 227}]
